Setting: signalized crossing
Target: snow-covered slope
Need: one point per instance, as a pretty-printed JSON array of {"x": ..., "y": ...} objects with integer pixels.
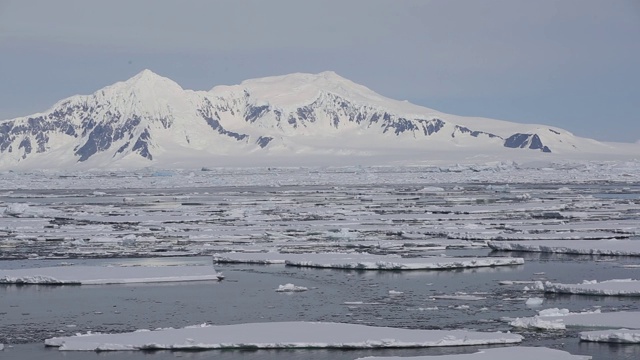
[{"x": 151, "y": 120}]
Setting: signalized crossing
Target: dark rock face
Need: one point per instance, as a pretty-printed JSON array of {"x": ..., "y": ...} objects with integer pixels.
[
  {"x": 263, "y": 141},
  {"x": 531, "y": 141}
]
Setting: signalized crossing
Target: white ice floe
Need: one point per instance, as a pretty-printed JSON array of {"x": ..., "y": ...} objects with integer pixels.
[
  {"x": 583, "y": 247},
  {"x": 461, "y": 296},
  {"x": 92, "y": 275},
  {"x": 505, "y": 353},
  {"x": 612, "y": 336},
  {"x": 553, "y": 319},
  {"x": 361, "y": 261},
  {"x": 534, "y": 301},
  {"x": 280, "y": 335},
  {"x": 615, "y": 287},
  {"x": 291, "y": 288}
]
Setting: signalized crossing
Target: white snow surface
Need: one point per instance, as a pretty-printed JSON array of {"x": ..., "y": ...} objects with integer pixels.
[
  {"x": 505, "y": 353},
  {"x": 227, "y": 126},
  {"x": 625, "y": 336},
  {"x": 615, "y": 287},
  {"x": 280, "y": 335},
  {"x": 362, "y": 261},
  {"x": 553, "y": 319},
  {"x": 93, "y": 275},
  {"x": 583, "y": 247}
]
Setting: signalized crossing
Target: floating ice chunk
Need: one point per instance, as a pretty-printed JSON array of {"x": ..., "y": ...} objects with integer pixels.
[
  {"x": 273, "y": 335},
  {"x": 506, "y": 353},
  {"x": 535, "y": 286},
  {"x": 534, "y": 301},
  {"x": 538, "y": 322},
  {"x": 291, "y": 288},
  {"x": 615, "y": 287},
  {"x": 459, "y": 296},
  {"x": 362, "y": 261},
  {"x": 612, "y": 336},
  {"x": 583, "y": 247},
  {"x": 431, "y": 189},
  {"x": 89, "y": 275},
  {"x": 621, "y": 319}
]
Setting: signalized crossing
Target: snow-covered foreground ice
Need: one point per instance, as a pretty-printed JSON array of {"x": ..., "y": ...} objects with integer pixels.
[
  {"x": 280, "y": 335},
  {"x": 612, "y": 336},
  {"x": 506, "y": 353},
  {"x": 559, "y": 319},
  {"x": 361, "y": 261},
  {"x": 583, "y": 247},
  {"x": 93, "y": 275},
  {"x": 616, "y": 287}
]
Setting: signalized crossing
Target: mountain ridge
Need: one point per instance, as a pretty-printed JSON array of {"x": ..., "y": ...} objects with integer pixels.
[{"x": 148, "y": 117}]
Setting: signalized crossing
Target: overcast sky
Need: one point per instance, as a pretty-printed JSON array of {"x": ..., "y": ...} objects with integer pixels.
[{"x": 574, "y": 64}]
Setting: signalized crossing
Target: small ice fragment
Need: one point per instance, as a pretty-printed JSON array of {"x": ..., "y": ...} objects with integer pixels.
[
  {"x": 534, "y": 301},
  {"x": 290, "y": 288}
]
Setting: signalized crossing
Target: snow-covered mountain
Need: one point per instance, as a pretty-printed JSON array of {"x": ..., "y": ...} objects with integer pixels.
[{"x": 151, "y": 120}]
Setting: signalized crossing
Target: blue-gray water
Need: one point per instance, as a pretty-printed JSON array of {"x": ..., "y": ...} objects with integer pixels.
[{"x": 32, "y": 313}]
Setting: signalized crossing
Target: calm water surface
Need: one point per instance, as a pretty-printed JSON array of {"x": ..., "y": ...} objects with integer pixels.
[{"x": 30, "y": 314}]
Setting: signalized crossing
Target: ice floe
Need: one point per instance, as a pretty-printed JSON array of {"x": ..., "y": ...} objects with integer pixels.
[
  {"x": 556, "y": 319},
  {"x": 93, "y": 275},
  {"x": 534, "y": 301},
  {"x": 290, "y": 288},
  {"x": 361, "y": 261},
  {"x": 582, "y": 247},
  {"x": 272, "y": 335},
  {"x": 615, "y": 287},
  {"x": 612, "y": 336},
  {"x": 506, "y": 353},
  {"x": 460, "y": 296}
]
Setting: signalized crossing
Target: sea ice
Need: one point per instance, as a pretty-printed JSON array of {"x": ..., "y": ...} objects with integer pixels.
[
  {"x": 583, "y": 247},
  {"x": 505, "y": 353},
  {"x": 361, "y": 261},
  {"x": 534, "y": 301},
  {"x": 562, "y": 318},
  {"x": 272, "y": 335},
  {"x": 463, "y": 297},
  {"x": 612, "y": 336},
  {"x": 615, "y": 287},
  {"x": 93, "y": 275},
  {"x": 290, "y": 288}
]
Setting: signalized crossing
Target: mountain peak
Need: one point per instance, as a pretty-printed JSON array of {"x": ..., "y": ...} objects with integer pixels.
[
  {"x": 147, "y": 77},
  {"x": 302, "y": 88}
]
